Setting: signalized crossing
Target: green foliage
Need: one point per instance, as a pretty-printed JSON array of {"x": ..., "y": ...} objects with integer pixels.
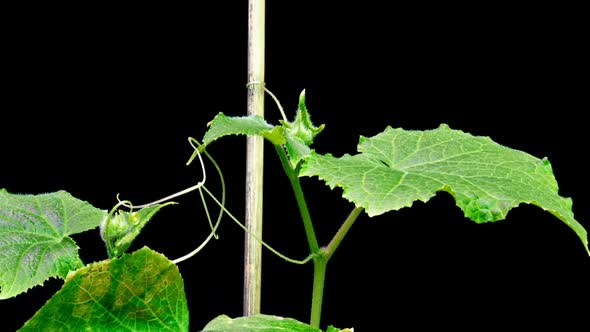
[
  {"x": 142, "y": 291},
  {"x": 261, "y": 323},
  {"x": 302, "y": 128},
  {"x": 223, "y": 125},
  {"x": 119, "y": 230},
  {"x": 295, "y": 136},
  {"x": 397, "y": 167},
  {"x": 34, "y": 238},
  {"x": 300, "y": 133}
]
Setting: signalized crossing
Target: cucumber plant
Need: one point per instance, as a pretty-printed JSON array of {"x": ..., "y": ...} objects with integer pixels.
[{"x": 143, "y": 290}]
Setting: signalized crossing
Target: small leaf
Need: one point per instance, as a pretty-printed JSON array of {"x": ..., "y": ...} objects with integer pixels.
[
  {"x": 258, "y": 323},
  {"x": 124, "y": 227},
  {"x": 223, "y": 125},
  {"x": 301, "y": 127},
  {"x": 300, "y": 133},
  {"x": 143, "y": 291},
  {"x": 296, "y": 136},
  {"x": 296, "y": 150},
  {"x": 34, "y": 238},
  {"x": 397, "y": 167}
]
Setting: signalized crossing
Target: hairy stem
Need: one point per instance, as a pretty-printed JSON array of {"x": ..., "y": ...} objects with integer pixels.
[
  {"x": 301, "y": 203},
  {"x": 254, "y": 159}
]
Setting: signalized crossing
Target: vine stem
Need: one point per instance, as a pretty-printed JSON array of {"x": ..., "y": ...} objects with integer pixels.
[
  {"x": 339, "y": 236},
  {"x": 321, "y": 256},
  {"x": 301, "y": 203},
  {"x": 254, "y": 160},
  {"x": 320, "y": 265}
]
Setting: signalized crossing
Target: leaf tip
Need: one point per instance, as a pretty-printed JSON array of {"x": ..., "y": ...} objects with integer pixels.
[{"x": 302, "y": 100}]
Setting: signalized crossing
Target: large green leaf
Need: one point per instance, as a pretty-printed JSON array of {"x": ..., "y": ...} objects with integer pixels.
[
  {"x": 261, "y": 323},
  {"x": 34, "y": 238},
  {"x": 142, "y": 291},
  {"x": 397, "y": 167}
]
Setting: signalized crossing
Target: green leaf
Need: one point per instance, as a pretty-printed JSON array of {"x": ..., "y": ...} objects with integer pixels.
[
  {"x": 34, "y": 238},
  {"x": 397, "y": 167},
  {"x": 296, "y": 150},
  {"x": 300, "y": 133},
  {"x": 301, "y": 127},
  {"x": 142, "y": 291},
  {"x": 223, "y": 125},
  {"x": 124, "y": 227},
  {"x": 296, "y": 136},
  {"x": 260, "y": 323}
]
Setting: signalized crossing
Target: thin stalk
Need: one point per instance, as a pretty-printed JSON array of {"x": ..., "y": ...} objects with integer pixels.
[
  {"x": 320, "y": 264},
  {"x": 300, "y": 198},
  {"x": 339, "y": 236},
  {"x": 320, "y": 259},
  {"x": 254, "y": 159}
]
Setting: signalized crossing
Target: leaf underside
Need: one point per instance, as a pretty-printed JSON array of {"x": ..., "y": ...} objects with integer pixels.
[
  {"x": 142, "y": 291},
  {"x": 34, "y": 238},
  {"x": 398, "y": 167}
]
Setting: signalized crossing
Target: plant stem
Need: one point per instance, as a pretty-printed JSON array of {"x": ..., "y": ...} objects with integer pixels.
[
  {"x": 320, "y": 260},
  {"x": 300, "y": 198},
  {"x": 339, "y": 236},
  {"x": 320, "y": 264},
  {"x": 254, "y": 159}
]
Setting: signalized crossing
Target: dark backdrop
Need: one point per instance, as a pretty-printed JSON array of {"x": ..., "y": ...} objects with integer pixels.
[{"x": 99, "y": 100}]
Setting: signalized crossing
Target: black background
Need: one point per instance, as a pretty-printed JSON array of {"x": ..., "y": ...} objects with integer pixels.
[{"x": 100, "y": 100}]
